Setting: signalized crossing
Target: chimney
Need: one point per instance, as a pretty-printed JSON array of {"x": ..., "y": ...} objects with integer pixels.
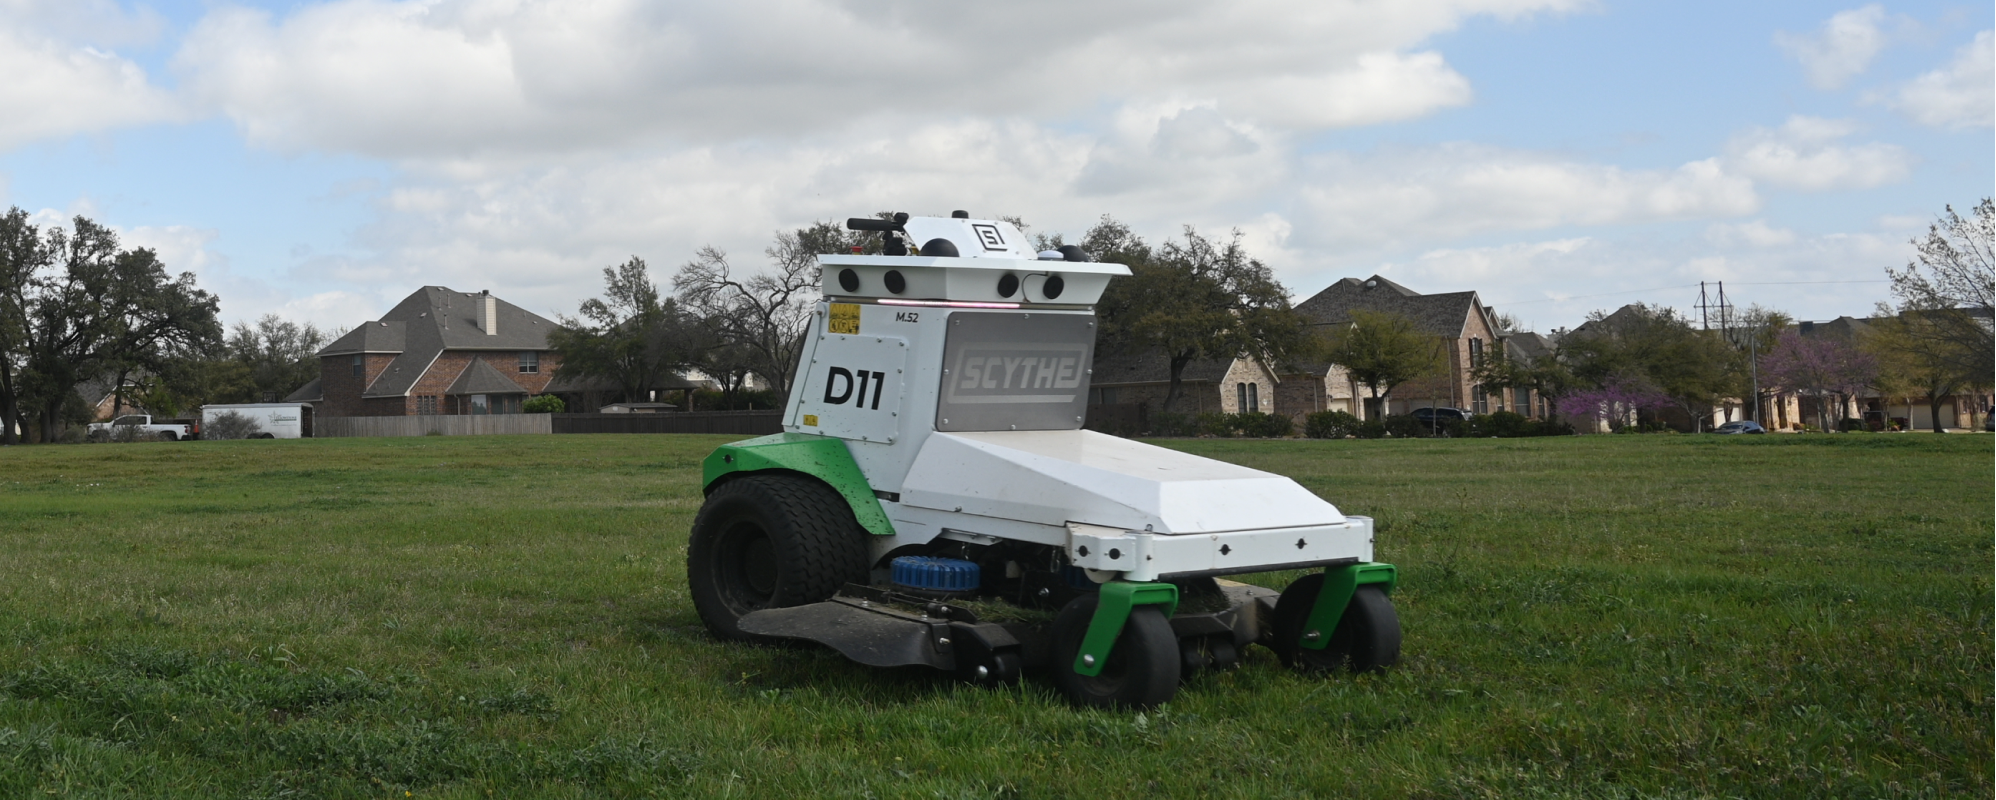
[{"x": 488, "y": 313}]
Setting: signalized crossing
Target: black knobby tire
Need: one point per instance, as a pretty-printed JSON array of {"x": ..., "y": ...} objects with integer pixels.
[
  {"x": 1143, "y": 667},
  {"x": 770, "y": 541},
  {"x": 1367, "y": 638}
]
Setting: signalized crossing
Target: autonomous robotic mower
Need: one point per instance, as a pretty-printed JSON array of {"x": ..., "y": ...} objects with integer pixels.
[{"x": 933, "y": 499}]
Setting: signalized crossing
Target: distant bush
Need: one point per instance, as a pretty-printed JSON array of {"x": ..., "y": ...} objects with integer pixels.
[
  {"x": 1852, "y": 425},
  {"x": 231, "y": 425},
  {"x": 763, "y": 399},
  {"x": 544, "y": 404},
  {"x": 1405, "y": 426},
  {"x": 1370, "y": 429},
  {"x": 1510, "y": 425},
  {"x": 1212, "y": 423},
  {"x": 1330, "y": 425},
  {"x": 1166, "y": 423},
  {"x": 1259, "y": 425}
]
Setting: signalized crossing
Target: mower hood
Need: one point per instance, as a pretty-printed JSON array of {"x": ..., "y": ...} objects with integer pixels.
[{"x": 1057, "y": 477}]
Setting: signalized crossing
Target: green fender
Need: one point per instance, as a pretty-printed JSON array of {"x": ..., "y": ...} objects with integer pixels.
[{"x": 821, "y": 457}]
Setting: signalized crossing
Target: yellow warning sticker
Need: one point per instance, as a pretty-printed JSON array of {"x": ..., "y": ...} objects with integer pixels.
[
  {"x": 810, "y": 419},
  {"x": 844, "y": 319}
]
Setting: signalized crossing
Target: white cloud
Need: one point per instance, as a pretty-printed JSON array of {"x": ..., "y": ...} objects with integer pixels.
[
  {"x": 1493, "y": 266},
  {"x": 1756, "y": 233},
  {"x": 1959, "y": 95},
  {"x": 1451, "y": 191},
  {"x": 1804, "y": 154},
  {"x": 1842, "y": 49},
  {"x": 458, "y": 77},
  {"x": 59, "y": 82}
]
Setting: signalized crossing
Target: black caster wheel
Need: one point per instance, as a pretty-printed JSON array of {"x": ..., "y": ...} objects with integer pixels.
[
  {"x": 1367, "y": 638},
  {"x": 770, "y": 541},
  {"x": 1143, "y": 668}
]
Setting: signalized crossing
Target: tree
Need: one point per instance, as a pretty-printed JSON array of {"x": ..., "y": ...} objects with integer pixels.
[
  {"x": 630, "y": 336},
  {"x": 1917, "y": 360},
  {"x": 763, "y": 315},
  {"x": 1950, "y": 285},
  {"x": 281, "y": 355},
  {"x": 1191, "y": 299},
  {"x": 1618, "y": 399},
  {"x": 22, "y": 257},
  {"x": 1383, "y": 350},
  {"x": 1694, "y": 368},
  {"x": 81, "y": 306},
  {"x": 1825, "y": 366}
]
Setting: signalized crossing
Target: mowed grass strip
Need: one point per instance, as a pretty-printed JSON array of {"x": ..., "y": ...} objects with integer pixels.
[{"x": 1655, "y": 616}]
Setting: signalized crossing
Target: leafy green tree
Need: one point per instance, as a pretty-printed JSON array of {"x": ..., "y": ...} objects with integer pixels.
[
  {"x": 632, "y": 335},
  {"x": 1383, "y": 350},
  {"x": 81, "y": 306},
  {"x": 1694, "y": 368},
  {"x": 1950, "y": 288},
  {"x": 1548, "y": 374},
  {"x": 281, "y": 355},
  {"x": 1192, "y": 299}
]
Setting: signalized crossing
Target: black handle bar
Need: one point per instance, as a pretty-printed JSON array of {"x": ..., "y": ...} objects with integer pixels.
[{"x": 872, "y": 224}]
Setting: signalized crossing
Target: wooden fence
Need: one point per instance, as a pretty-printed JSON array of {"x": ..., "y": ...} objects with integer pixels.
[
  {"x": 444, "y": 424},
  {"x": 749, "y": 423}
]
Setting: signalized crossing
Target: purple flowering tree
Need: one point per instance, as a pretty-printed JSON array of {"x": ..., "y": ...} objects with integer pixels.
[
  {"x": 1614, "y": 402},
  {"x": 1825, "y": 367}
]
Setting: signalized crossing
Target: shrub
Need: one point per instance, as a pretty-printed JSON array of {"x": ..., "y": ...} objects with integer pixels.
[
  {"x": 1405, "y": 426},
  {"x": 746, "y": 400},
  {"x": 1210, "y": 423},
  {"x": 544, "y": 404},
  {"x": 1370, "y": 429},
  {"x": 1173, "y": 424},
  {"x": 230, "y": 425},
  {"x": 1852, "y": 424},
  {"x": 1330, "y": 425},
  {"x": 1263, "y": 426}
]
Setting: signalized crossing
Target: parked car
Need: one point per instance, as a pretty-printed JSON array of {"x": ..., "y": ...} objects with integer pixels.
[{"x": 1740, "y": 426}]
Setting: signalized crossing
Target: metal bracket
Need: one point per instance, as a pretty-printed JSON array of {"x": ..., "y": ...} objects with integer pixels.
[
  {"x": 1340, "y": 583},
  {"x": 1112, "y": 609}
]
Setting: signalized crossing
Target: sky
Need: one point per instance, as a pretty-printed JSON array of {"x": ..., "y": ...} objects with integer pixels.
[{"x": 322, "y": 160}]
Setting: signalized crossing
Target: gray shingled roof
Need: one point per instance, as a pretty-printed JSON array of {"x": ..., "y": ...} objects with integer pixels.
[
  {"x": 482, "y": 378},
  {"x": 430, "y": 321},
  {"x": 378, "y": 336},
  {"x": 1528, "y": 345},
  {"x": 1152, "y": 366},
  {"x": 1438, "y": 314},
  {"x": 309, "y": 393}
]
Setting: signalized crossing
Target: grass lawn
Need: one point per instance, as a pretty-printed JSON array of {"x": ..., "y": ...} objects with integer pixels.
[{"x": 1605, "y": 616}]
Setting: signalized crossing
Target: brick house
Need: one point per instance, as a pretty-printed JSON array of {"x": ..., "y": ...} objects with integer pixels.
[
  {"x": 439, "y": 351},
  {"x": 1222, "y": 385},
  {"x": 1464, "y": 328}
]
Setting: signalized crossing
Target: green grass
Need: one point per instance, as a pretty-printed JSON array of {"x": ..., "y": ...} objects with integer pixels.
[{"x": 1607, "y": 616}]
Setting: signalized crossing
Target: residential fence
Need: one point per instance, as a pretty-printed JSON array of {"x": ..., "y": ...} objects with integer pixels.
[
  {"x": 442, "y": 424},
  {"x": 748, "y": 423}
]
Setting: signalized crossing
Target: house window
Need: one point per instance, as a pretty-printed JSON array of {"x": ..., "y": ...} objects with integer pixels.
[
  {"x": 1479, "y": 400},
  {"x": 530, "y": 362},
  {"x": 359, "y": 365},
  {"x": 1240, "y": 397},
  {"x": 426, "y": 404},
  {"x": 1522, "y": 400},
  {"x": 1475, "y": 352},
  {"x": 1253, "y": 400},
  {"x": 479, "y": 405}
]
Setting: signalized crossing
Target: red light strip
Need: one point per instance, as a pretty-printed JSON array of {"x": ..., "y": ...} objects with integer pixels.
[{"x": 946, "y": 303}]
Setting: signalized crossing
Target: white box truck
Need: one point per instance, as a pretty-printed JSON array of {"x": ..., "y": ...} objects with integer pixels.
[{"x": 271, "y": 421}]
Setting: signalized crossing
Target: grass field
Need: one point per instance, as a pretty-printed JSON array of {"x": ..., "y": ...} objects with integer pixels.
[{"x": 1606, "y": 616}]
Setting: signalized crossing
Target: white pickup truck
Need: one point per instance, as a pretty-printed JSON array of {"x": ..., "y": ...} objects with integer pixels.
[{"x": 145, "y": 428}]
